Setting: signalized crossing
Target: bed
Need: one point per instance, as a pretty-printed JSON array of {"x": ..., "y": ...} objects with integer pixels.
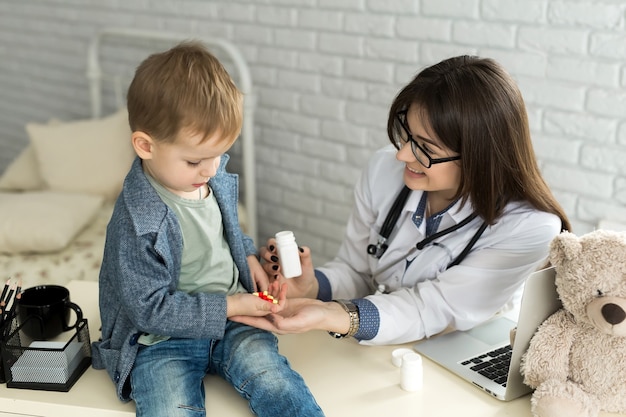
[{"x": 55, "y": 202}]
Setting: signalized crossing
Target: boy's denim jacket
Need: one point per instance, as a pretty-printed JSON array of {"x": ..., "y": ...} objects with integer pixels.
[{"x": 140, "y": 270}]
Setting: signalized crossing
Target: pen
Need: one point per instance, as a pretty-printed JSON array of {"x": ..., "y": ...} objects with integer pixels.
[
  {"x": 5, "y": 289},
  {"x": 17, "y": 295},
  {"x": 13, "y": 296},
  {"x": 8, "y": 313},
  {"x": 3, "y": 302},
  {"x": 7, "y": 300}
]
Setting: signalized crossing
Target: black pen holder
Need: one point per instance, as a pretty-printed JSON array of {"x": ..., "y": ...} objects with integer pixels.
[{"x": 43, "y": 365}]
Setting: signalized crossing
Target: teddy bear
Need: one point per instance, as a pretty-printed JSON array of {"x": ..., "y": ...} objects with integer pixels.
[{"x": 576, "y": 361}]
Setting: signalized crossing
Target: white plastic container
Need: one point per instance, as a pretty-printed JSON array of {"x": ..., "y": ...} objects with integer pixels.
[
  {"x": 288, "y": 254},
  {"x": 397, "y": 354},
  {"x": 411, "y": 372}
]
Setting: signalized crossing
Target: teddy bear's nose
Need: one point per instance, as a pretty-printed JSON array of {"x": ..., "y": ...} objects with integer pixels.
[{"x": 613, "y": 313}]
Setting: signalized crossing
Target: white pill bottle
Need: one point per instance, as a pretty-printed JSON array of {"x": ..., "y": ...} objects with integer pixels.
[
  {"x": 288, "y": 254},
  {"x": 411, "y": 372}
]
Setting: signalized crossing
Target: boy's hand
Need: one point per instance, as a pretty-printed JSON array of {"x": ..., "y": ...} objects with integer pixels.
[
  {"x": 259, "y": 277},
  {"x": 252, "y": 305}
]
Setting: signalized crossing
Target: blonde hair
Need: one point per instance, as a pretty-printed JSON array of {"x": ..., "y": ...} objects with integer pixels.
[{"x": 184, "y": 88}]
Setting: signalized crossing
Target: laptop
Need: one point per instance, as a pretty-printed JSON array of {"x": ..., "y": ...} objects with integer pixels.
[{"x": 483, "y": 355}]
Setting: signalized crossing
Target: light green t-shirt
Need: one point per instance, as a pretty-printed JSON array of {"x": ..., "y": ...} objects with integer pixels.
[{"x": 207, "y": 264}]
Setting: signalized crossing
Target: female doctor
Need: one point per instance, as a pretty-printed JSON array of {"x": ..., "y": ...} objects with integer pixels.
[{"x": 476, "y": 217}]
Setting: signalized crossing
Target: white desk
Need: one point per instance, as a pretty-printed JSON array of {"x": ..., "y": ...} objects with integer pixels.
[{"x": 347, "y": 380}]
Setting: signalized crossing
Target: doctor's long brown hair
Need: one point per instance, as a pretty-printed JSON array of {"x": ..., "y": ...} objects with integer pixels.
[{"x": 473, "y": 106}]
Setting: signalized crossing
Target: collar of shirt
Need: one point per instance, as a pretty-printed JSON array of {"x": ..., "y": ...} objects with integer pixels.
[{"x": 451, "y": 215}]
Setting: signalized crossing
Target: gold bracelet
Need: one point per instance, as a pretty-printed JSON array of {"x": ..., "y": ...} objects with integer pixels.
[{"x": 353, "y": 311}]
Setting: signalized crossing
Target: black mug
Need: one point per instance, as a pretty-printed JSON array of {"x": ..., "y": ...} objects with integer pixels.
[{"x": 44, "y": 311}]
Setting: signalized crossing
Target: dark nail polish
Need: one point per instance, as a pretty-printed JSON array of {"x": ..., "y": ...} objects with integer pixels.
[
  {"x": 275, "y": 267},
  {"x": 300, "y": 249},
  {"x": 275, "y": 276},
  {"x": 271, "y": 248},
  {"x": 274, "y": 258}
]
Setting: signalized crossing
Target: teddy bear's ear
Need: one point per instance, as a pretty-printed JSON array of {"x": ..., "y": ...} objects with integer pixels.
[{"x": 564, "y": 246}]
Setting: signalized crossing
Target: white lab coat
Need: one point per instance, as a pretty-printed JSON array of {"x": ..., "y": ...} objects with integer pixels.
[{"x": 425, "y": 298}]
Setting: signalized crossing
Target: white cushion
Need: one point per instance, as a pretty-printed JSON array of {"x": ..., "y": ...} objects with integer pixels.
[
  {"x": 43, "y": 221},
  {"x": 86, "y": 156},
  {"x": 22, "y": 174}
]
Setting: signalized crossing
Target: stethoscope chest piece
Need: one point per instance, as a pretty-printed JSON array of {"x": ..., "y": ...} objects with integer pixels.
[{"x": 377, "y": 250}]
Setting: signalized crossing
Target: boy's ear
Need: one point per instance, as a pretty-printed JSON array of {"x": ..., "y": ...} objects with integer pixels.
[{"x": 142, "y": 143}]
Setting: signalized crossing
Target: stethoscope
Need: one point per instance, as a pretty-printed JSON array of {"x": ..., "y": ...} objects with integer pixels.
[{"x": 378, "y": 249}]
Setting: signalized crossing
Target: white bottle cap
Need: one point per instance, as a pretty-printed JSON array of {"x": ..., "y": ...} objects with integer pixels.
[
  {"x": 412, "y": 360},
  {"x": 397, "y": 354}
]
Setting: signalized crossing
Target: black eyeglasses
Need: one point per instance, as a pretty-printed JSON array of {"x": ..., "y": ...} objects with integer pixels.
[{"x": 402, "y": 135}]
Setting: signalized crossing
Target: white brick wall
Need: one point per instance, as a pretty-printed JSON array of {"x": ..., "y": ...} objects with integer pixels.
[{"x": 325, "y": 72}]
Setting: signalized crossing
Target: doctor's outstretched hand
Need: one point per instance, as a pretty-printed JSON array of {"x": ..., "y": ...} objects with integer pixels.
[{"x": 301, "y": 315}]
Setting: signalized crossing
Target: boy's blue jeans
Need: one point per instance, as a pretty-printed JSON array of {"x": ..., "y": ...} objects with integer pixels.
[{"x": 166, "y": 379}]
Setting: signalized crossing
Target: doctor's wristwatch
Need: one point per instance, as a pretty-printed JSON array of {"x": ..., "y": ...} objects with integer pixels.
[{"x": 353, "y": 311}]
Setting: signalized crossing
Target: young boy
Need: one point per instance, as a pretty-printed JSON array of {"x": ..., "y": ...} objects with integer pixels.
[{"x": 176, "y": 263}]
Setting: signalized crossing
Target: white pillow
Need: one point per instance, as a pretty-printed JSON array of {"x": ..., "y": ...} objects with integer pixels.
[
  {"x": 86, "y": 156},
  {"x": 22, "y": 174},
  {"x": 43, "y": 221}
]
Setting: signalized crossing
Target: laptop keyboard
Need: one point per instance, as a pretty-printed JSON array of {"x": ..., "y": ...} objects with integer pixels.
[{"x": 493, "y": 365}]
